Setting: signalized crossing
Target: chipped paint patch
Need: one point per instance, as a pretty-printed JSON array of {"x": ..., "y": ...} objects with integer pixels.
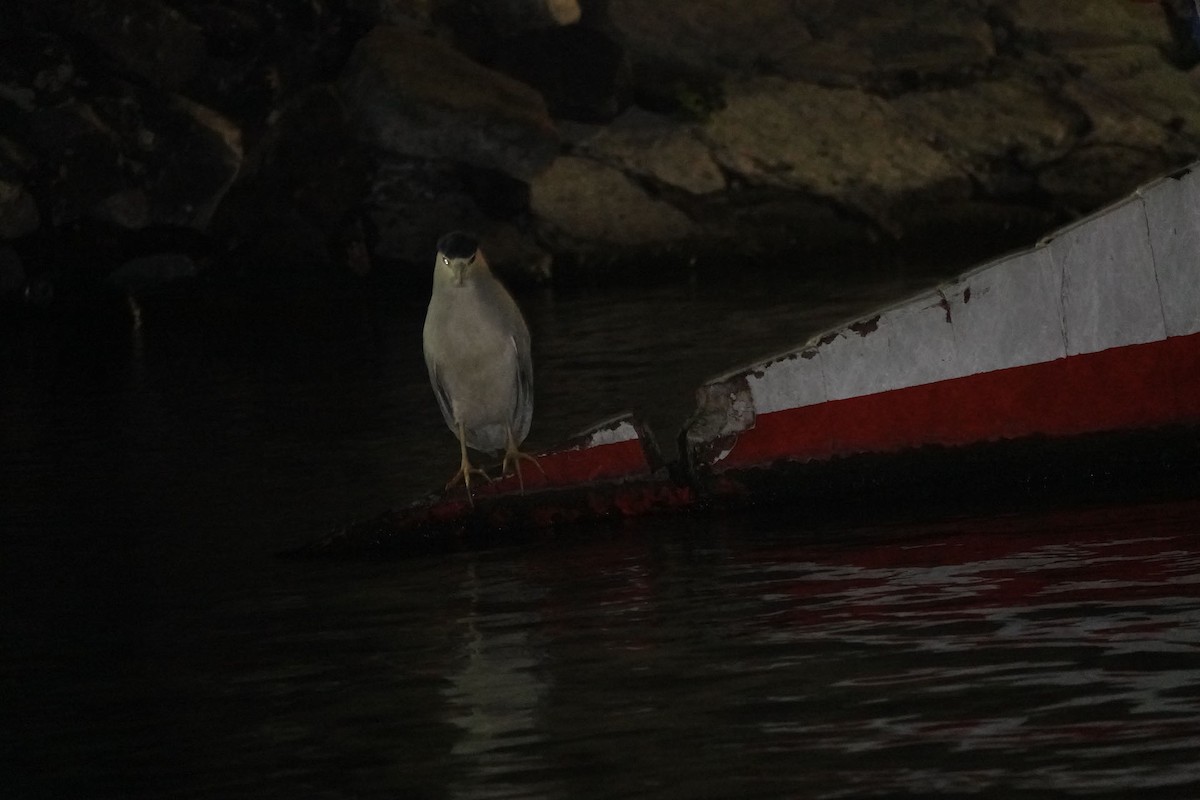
[
  {"x": 866, "y": 326},
  {"x": 622, "y": 431}
]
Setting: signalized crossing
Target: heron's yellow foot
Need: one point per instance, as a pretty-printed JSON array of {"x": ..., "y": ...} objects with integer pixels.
[
  {"x": 465, "y": 470},
  {"x": 464, "y": 476},
  {"x": 514, "y": 455}
]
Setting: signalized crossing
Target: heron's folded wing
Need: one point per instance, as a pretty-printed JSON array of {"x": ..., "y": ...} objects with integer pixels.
[
  {"x": 439, "y": 391},
  {"x": 523, "y": 413}
]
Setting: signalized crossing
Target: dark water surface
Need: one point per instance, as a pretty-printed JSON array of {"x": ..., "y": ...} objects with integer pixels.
[{"x": 153, "y": 647}]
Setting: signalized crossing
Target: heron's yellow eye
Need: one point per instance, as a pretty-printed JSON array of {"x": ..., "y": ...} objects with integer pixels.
[{"x": 445, "y": 261}]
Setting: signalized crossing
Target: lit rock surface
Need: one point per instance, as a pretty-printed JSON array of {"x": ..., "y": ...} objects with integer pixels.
[{"x": 584, "y": 200}]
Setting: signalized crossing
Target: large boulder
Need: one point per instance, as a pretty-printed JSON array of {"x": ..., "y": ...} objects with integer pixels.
[
  {"x": 838, "y": 42},
  {"x": 299, "y": 201},
  {"x": 146, "y": 38},
  {"x": 169, "y": 156},
  {"x": 413, "y": 201},
  {"x": 393, "y": 12},
  {"x": 668, "y": 151},
  {"x": 584, "y": 204},
  {"x": 707, "y": 35},
  {"x": 98, "y": 145},
  {"x": 18, "y": 212},
  {"x": 409, "y": 94},
  {"x": 843, "y": 145},
  {"x": 999, "y": 131},
  {"x": 580, "y": 71},
  {"x": 508, "y": 17},
  {"x": 196, "y": 154},
  {"x": 1132, "y": 95},
  {"x": 1067, "y": 24},
  {"x": 1107, "y": 61}
]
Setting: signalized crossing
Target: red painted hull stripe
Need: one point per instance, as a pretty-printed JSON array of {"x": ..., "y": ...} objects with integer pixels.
[
  {"x": 569, "y": 468},
  {"x": 1129, "y": 387}
]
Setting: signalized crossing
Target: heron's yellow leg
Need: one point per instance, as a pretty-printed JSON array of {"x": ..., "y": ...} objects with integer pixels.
[
  {"x": 513, "y": 454},
  {"x": 464, "y": 468}
]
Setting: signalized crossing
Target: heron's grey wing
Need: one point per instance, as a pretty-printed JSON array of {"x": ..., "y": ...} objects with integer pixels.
[
  {"x": 443, "y": 397},
  {"x": 523, "y": 412}
]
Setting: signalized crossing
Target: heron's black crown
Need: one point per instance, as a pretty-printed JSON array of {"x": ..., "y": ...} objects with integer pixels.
[{"x": 458, "y": 245}]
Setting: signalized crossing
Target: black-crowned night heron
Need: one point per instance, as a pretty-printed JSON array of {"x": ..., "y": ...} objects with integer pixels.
[{"x": 477, "y": 352}]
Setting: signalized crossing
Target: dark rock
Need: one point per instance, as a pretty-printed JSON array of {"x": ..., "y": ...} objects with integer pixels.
[
  {"x": 87, "y": 262},
  {"x": 999, "y": 131},
  {"x": 262, "y": 53},
  {"x": 392, "y": 12},
  {"x": 145, "y": 38},
  {"x": 412, "y": 95},
  {"x": 507, "y": 17},
  {"x": 195, "y": 162},
  {"x": 1133, "y": 96},
  {"x": 1183, "y": 20},
  {"x": 891, "y": 46},
  {"x": 414, "y": 201},
  {"x": 835, "y": 42},
  {"x": 514, "y": 256},
  {"x": 98, "y": 145},
  {"x": 300, "y": 200},
  {"x": 153, "y": 272},
  {"x": 707, "y": 36},
  {"x": 666, "y": 150},
  {"x": 18, "y": 213},
  {"x": 16, "y": 160},
  {"x": 12, "y": 272},
  {"x": 1085, "y": 23},
  {"x": 767, "y": 227},
  {"x": 128, "y": 208},
  {"x": 1096, "y": 174},
  {"x": 581, "y": 72}
]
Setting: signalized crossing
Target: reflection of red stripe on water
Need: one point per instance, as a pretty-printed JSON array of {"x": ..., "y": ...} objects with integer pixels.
[{"x": 1122, "y": 555}]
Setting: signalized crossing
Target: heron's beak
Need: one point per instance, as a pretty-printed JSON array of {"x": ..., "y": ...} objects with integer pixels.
[{"x": 460, "y": 272}]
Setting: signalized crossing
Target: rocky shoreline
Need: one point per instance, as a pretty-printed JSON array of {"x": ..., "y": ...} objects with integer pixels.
[{"x": 344, "y": 136}]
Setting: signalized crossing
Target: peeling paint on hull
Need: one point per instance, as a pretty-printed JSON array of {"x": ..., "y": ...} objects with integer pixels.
[
  {"x": 1097, "y": 328},
  {"x": 1139, "y": 386}
]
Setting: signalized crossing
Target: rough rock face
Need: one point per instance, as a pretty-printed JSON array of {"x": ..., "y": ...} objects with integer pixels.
[
  {"x": 121, "y": 116},
  {"x": 1001, "y": 131},
  {"x": 18, "y": 211},
  {"x": 353, "y": 133},
  {"x": 413, "y": 95},
  {"x": 114, "y": 150},
  {"x": 853, "y": 149},
  {"x": 668, "y": 151},
  {"x": 298, "y": 204},
  {"x": 583, "y": 200},
  {"x": 149, "y": 39},
  {"x": 836, "y": 42}
]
